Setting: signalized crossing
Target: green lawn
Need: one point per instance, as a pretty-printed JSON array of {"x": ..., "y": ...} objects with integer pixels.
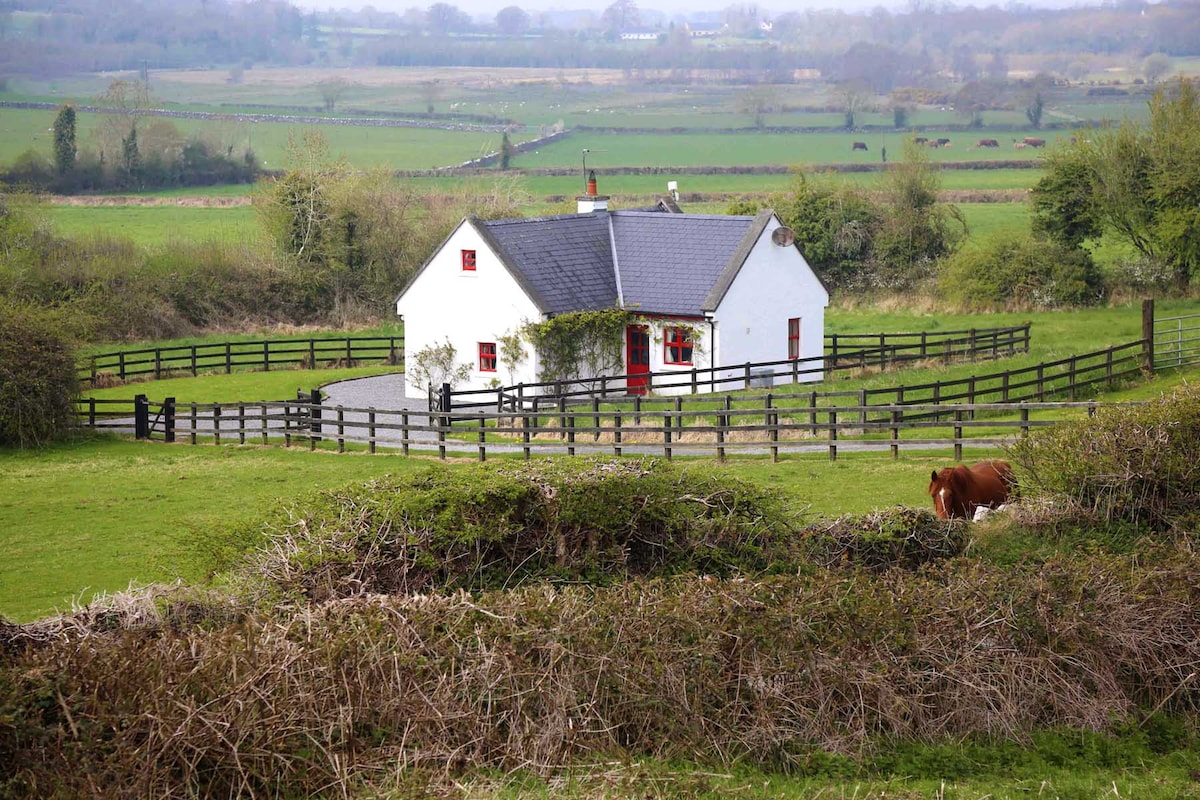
[{"x": 156, "y": 227}]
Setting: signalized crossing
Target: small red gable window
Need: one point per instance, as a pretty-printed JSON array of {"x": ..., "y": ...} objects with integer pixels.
[
  {"x": 468, "y": 260},
  {"x": 794, "y": 338},
  {"x": 677, "y": 346},
  {"x": 487, "y": 356}
]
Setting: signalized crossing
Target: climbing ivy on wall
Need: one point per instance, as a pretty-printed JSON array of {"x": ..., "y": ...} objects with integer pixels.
[{"x": 579, "y": 343}]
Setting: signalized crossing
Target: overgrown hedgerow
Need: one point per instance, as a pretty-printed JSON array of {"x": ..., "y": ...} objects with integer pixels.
[
  {"x": 501, "y": 525},
  {"x": 777, "y": 672},
  {"x": 1132, "y": 464}
]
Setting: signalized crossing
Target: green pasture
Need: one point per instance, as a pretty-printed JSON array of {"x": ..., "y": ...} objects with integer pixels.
[
  {"x": 745, "y": 149},
  {"x": 363, "y": 147},
  {"x": 156, "y": 227},
  {"x": 96, "y": 515},
  {"x": 221, "y": 388}
]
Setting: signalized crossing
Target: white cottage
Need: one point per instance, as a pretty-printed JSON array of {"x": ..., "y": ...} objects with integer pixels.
[{"x": 708, "y": 290}]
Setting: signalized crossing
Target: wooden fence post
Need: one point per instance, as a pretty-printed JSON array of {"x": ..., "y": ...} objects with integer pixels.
[
  {"x": 617, "y": 434},
  {"x": 895, "y": 435},
  {"x": 404, "y": 432},
  {"x": 141, "y": 417},
  {"x": 371, "y": 429},
  {"x": 771, "y": 420},
  {"x": 341, "y": 430},
  {"x": 169, "y": 420},
  {"x": 958, "y": 448},
  {"x": 482, "y": 439},
  {"x": 667, "y": 436},
  {"x": 262, "y": 414},
  {"x": 833, "y": 435},
  {"x": 525, "y": 434},
  {"x": 241, "y": 423},
  {"x": 1148, "y": 336},
  {"x": 217, "y": 423},
  {"x": 192, "y": 420}
]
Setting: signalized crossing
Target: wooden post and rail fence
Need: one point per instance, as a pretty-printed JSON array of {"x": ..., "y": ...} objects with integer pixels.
[
  {"x": 771, "y": 422},
  {"x": 227, "y": 357}
]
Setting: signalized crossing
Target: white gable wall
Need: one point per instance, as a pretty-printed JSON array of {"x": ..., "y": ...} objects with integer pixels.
[
  {"x": 467, "y": 308},
  {"x": 774, "y": 285}
]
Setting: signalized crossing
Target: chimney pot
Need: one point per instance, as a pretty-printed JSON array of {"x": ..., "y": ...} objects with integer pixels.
[{"x": 591, "y": 183}]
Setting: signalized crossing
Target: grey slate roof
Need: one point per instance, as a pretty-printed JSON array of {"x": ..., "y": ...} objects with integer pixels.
[
  {"x": 564, "y": 262},
  {"x": 679, "y": 264}
]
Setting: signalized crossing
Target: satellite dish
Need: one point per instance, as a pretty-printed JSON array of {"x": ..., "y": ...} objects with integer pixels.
[{"x": 783, "y": 236}]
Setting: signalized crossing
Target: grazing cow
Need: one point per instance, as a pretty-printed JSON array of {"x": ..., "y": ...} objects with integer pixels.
[
  {"x": 1034, "y": 142},
  {"x": 943, "y": 142},
  {"x": 859, "y": 146},
  {"x": 921, "y": 140},
  {"x": 958, "y": 491},
  {"x": 1020, "y": 145},
  {"x": 988, "y": 143}
]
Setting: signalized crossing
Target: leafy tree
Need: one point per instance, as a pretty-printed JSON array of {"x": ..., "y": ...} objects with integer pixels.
[
  {"x": 64, "y": 139},
  {"x": 1026, "y": 272},
  {"x": 512, "y": 20},
  {"x": 1155, "y": 66},
  {"x": 131, "y": 157},
  {"x": 621, "y": 15},
  {"x": 444, "y": 18},
  {"x": 916, "y": 229},
  {"x": 1033, "y": 111},
  {"x": 507, "y": 151},
  {"x": 1140, "y": 182},
  {"x": 835, "y": 227}
]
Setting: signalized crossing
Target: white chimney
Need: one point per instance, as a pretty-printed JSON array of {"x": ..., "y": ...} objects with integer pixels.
[
  {"x": 673, "y": 190},
  {"x": 591, "y": 202}
]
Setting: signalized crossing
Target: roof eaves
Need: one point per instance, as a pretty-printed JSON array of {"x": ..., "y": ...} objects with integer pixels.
[
  {"x": 519, "y": 276},
  {"x": 424, "y": 266},
  {"x": 745, "y": 246}
]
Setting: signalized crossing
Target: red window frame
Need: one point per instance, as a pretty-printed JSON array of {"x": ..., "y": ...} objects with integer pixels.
[
  {"x": 487, "y": 356},
  {"x": 468, "y": 260},
  {"x": 677, "y": 346},
  {"x": 794, "y": 338}
]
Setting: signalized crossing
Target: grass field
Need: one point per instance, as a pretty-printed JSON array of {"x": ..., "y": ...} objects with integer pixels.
[
  {"x": 98, "y": 514},
  {"x": 363, "y": 147},
  {"x": 156, "y": 227}
]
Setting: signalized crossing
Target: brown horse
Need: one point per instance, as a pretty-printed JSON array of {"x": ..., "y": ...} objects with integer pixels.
[{"x": 958, "y": 491}]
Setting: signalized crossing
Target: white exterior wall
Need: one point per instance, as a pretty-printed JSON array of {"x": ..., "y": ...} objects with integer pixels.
[
  {"x": 774, "y": 285},
  {"x": 701, "y": 354},
  {"x": 444, "y": 302}
]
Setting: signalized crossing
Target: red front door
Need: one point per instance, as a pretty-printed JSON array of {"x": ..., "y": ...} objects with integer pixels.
[{"x": 637, "y": 358}]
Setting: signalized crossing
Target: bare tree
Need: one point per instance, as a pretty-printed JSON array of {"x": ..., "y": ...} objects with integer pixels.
[
  {"x": 430, "y": 92},
  {"x": 332, "y": 90},
  {"x": 854, "y": 97}
]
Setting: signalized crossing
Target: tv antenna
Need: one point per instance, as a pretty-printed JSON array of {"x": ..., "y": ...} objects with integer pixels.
[{"x": 585, "y": 172}]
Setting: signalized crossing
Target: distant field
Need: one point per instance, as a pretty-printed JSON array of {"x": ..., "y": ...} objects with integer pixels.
[
  {"x": 156, "y": 226},
  {"x": 689, "y": 149},
  {"x": 363, "y": 147}
]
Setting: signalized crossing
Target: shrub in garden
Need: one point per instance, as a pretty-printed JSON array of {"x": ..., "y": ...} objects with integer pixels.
[
  {"x": 1024, "y": 273},
  {"x": 1137, "y": 464},
  {"x": 38, "y": 384}
]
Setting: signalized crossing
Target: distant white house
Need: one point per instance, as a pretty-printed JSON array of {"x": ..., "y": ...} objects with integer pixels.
[
  {"x": 639, "y": 36},
  {"x": 706, "y": 290}
]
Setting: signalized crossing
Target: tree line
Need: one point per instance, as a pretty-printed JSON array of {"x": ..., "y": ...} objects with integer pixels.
[{"x": 61, "y": 36}]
